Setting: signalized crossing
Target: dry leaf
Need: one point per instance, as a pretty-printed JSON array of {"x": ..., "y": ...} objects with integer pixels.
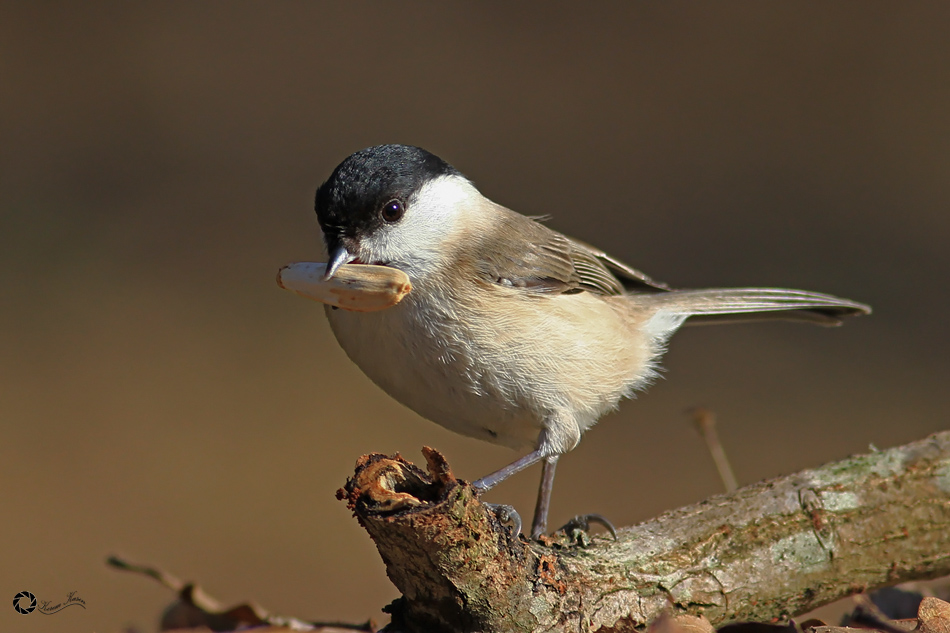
[{"x": 934, "y": 616}]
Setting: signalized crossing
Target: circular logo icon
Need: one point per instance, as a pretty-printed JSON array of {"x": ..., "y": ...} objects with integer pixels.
[{"x": 19, "y": 606}]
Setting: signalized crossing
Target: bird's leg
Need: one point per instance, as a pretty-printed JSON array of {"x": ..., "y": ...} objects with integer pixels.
[
  {"x": 549, "y": 463},
  {"x": 507, "y": 514},
  {"x": 540, "y": 523},
  {"x": 490, "y": 481}
]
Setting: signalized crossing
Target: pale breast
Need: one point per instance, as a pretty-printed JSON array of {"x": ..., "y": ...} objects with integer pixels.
[{"x": 493, "y": 363}]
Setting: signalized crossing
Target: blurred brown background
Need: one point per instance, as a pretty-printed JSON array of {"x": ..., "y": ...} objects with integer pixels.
[{"x": 162, "y": 399}]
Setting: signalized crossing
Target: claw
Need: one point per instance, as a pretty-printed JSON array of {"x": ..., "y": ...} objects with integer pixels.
[
  {"x": 582, "y": 522},
  {"x": 507, "y": 515}
]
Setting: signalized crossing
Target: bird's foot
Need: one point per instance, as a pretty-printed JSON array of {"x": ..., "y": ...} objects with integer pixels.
[
  {"x": 507, "y": 516},
  {"x": 578, "y": 528}
]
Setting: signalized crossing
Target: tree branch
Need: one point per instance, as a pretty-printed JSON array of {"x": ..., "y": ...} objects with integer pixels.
[{"x": 770, "y": 550}]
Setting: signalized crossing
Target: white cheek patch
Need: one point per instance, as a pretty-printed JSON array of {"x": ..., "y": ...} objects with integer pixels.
[{"x": 419, "y": 242}]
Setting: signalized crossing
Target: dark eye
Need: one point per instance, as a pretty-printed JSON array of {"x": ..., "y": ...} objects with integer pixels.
[{"x": 393, "y": 211}]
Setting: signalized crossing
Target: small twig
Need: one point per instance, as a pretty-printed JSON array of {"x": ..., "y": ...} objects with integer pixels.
[
  {"x": 165, "y": 578},
  {"x": 705, "y": 421},
  {"x": 195, "y": 609}
]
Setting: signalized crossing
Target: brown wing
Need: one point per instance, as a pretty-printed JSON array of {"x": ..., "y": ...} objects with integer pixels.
[
  {"x": 629, "y": 277},
  {"x": 538, "y": 259}
]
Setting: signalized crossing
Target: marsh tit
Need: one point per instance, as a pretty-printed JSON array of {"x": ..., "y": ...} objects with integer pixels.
[{"x": 513, "y": 333}]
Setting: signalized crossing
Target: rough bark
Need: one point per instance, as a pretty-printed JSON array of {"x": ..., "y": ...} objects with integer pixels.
[{"x": 770, "y": 550}]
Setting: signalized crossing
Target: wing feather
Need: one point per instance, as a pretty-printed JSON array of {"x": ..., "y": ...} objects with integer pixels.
[{"x": 541, "y": 260}]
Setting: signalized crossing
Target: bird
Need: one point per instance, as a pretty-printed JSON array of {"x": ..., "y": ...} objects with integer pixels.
[{"x": 513, "y": 333}]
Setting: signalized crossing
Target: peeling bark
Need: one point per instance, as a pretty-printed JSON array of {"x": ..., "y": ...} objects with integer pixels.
[{"x": 770, "y": 550}]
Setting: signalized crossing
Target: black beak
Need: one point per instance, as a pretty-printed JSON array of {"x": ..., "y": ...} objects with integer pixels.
[{"x": 339, "y": 255}]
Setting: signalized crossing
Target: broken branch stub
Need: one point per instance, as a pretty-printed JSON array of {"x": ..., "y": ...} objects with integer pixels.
[
  {"x": 770, "y": 550},
  {"x": 455, "y": 564}
]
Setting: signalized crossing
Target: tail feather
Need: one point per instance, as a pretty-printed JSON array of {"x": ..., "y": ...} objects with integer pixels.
[{"x": 728, "y": 305}]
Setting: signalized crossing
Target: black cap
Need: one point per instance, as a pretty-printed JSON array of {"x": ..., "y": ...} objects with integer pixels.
[{"x": 348, "y": 204}]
